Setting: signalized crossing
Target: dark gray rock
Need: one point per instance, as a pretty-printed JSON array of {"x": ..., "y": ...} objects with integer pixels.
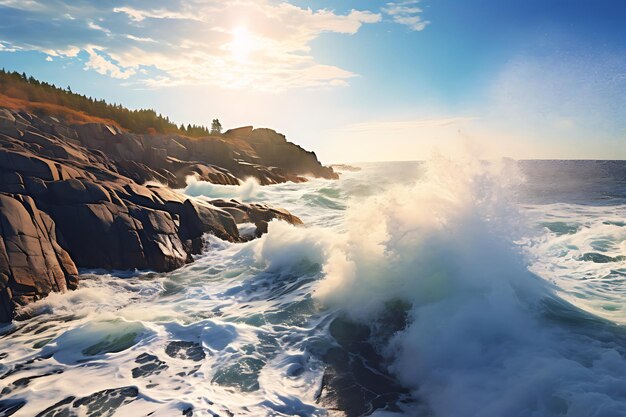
[
  {"x": 198, "y": 218},
  {"x": 101, "y": 235},
  {"x": 75, "y": 191},
  {"x": 185, "y": 350},
  {"x": 31, "y": 165},
  {"x": 148, "y": 365},
  {"x": 77, "y": 196},
  {"x": 356, "y": 381},
  {"x": 102, "y": 403},
  {"x": 259, "y": 214},
  {"x": 10, "y": 407}
]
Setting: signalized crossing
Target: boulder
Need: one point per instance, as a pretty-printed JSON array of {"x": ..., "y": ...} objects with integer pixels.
[
  {"x": 259, "y": 214},
  {"x": 73, "y": 191},
  {"x": 35, "y": 187},
  {"x": 141, "y": 195},
  {"x": 31, "y": 136},
  {"x": 96, "y": 132},
  {"x": 12, "y": 182},
  {"x": 101, "y": 235},
  {"x": 32, "y": 263},
  {"x": 197, "y": 218},
  {"x": 241, "y": 132},
  {"x": 141, "y": 173},
  {"x": 28, "y": 164},
  {"x": 162, "y": 246},
  {"x": 201, "y": 171},
  {"x": 8, "y": 124}
]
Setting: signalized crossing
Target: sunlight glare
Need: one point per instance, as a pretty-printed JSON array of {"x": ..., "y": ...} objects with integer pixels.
[{"x": 242, "y": 44}]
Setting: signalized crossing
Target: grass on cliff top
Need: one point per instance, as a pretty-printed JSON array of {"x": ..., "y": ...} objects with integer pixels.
[
  {"x": 20, "y": 92},
  {"x": 61, "y": 112}
]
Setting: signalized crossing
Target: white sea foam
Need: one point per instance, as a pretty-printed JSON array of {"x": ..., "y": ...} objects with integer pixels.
[
  {"x": 582, "y": 249},
  {"x": 246, "y": 191}
]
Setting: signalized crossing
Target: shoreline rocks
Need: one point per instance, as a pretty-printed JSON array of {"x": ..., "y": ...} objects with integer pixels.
[
  {"x": 32, "y": 262},
  {"x": 81, "y": 197}
]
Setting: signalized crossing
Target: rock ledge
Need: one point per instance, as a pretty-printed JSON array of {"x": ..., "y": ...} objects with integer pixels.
[{"x": 80, "y": 196}]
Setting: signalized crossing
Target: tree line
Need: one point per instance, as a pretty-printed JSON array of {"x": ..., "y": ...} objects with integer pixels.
[{"x": 22, "y": 86}]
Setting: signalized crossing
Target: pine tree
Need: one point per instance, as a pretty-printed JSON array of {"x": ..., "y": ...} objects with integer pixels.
[
  {"x": 137, "y": 121},
  {"x": 216, "y": 127}
]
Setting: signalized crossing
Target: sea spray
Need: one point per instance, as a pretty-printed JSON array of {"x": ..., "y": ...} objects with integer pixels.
[
  {"x": 477, "y": 342},
  {"x": 423, "y": 228}
]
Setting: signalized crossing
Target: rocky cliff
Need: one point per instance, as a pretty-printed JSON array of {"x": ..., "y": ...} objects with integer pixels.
[
  {"x": 81, "y": 196},
  {"x": 224, "y": 159}
]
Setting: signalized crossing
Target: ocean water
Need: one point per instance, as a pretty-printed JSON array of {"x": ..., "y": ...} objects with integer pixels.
[{"x": 447, "y": 288}]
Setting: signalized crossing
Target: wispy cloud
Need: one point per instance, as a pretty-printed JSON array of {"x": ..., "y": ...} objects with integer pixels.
[
  {"x": 6, "y": 47},
  {"x": 185, "y": 42},
  {"x": 139, "y": 39},
  {"x": 140, "y": 15},
  {"x": 407, "y": 13},
  {"x": 406, "y": 125},
  {"x": 24, "y": 4},
  {"x": 95, "y": 26}
]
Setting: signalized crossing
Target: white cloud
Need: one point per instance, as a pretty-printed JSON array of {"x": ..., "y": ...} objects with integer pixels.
[
  {"x": 49, "y": 58},
  {"x": 6, "y": 47},
  {"x": 139, "y": 39},
  {"x": 95, "y": 26},
  {"x": 23, "y": 4},
  {"x": 190, "y": 42},
  {"x": 69, "y": 52},
  {"x": 407, "y": 13},
  {"x": 101, "y": 65},
  {"x": 139, "y": 15}
]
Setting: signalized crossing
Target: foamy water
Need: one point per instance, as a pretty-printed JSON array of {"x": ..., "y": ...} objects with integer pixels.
[{"x": 513, "y": 287}]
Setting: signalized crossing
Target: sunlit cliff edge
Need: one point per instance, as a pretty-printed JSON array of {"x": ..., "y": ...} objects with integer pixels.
[{"x": 78, "y": 194}]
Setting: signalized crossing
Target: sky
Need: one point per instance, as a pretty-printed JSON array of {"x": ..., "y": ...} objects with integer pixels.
[{"x": 354, "y": 81}]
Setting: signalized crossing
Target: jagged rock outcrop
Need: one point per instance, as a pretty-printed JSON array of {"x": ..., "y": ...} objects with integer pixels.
[
  {"x": 79, "y": 196},
  {"x": 258, "y": 214},
  {"x": 169, "y": 159},
  {"x": 32, "y": 262},
  {"x": 274, "y": 150}
]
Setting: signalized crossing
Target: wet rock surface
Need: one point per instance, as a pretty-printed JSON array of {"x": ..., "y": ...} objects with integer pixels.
[
  {"x": 24, "y": 382},
  {"x": 258, "y": 214},
  {"x": 356, "y": 381},
  {"x": 185, "y": 350},
  {"x": 32, "y": 262},
  {"x": 10, "y": 407},
  {"x": 148, "y": 365},
  {"x": 102, "y": 404},
  {"x": 79, "y": 197}
]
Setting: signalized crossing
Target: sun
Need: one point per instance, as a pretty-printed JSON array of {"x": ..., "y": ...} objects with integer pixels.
[{"x": 242, "y": 44}]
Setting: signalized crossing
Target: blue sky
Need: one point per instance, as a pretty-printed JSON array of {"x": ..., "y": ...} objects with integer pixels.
[{"x": 354, "y": 81}]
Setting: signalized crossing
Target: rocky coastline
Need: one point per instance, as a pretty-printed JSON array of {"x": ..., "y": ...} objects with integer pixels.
[{"x": 93, "y": 196}]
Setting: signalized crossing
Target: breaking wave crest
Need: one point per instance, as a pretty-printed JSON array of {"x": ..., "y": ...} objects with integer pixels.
[
  {"x": 485, "y": 337},
  {"x": 246, "y": 191}
]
